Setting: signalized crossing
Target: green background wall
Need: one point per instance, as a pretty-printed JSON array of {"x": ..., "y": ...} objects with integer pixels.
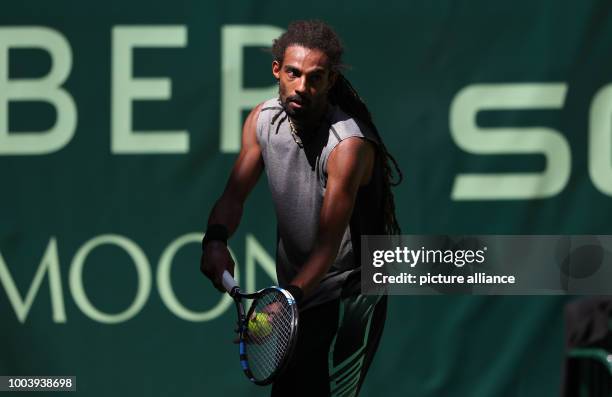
[{"x": 409, "y": 60}]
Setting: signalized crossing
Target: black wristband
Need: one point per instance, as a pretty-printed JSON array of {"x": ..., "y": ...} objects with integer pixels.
[
  {"x": 215, "y": 232},
  {"x": 297, "y": 293}
]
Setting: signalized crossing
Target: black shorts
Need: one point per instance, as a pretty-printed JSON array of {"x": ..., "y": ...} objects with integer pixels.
[{"x": 335, "y": 347}]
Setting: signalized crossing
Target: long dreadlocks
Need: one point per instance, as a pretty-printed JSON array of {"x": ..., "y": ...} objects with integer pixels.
[
  {"x": 319, "y": 35},
  {"x": 344, "y": 95}
]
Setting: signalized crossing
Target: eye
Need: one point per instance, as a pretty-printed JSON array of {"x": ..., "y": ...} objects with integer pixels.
[{"x": 291, "y": 73}]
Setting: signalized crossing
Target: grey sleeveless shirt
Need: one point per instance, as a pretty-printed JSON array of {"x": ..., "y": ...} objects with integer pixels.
[{"x": 297, "y": 177}]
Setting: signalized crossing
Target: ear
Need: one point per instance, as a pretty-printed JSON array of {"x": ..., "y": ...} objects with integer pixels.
[{"x": 276, "y": 69}]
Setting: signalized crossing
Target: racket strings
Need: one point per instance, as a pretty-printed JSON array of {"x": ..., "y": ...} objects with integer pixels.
[
  {"x": 269, "y": 333},
  {"x": 267, "y": 346},
  {"x": 271, "y": 350}
]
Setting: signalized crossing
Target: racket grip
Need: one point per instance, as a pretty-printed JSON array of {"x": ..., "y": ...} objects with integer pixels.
[{"x": 228, "y": 281}]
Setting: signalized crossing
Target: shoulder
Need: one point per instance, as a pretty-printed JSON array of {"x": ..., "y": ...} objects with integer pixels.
[
  {"x": 351, "y": 137},
  {"x": 262, "y": 116},
  {"x": 269, "y": 107},
  {"x": 352, "y": 149},
  {"x": 351, "y": 162},
  {"x": 270, "y": 104},
  {"x": 250, "y": 129},
  {"x": 264, "y": 106},
  {"x": 265, "y": 112},
  {"x": 250, "y": 124},
  {"x": 344, "y": 126},
  {"x": 253, "y": 119}
]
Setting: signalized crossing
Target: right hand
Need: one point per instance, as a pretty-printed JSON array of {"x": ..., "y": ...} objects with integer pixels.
[{"x": 216, "y": 259}]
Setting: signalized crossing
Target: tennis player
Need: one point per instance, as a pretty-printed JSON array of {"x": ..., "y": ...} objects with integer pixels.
[{"x": 329, "y": 174}]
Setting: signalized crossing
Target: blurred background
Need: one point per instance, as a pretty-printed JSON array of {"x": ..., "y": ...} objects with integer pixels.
[{"x": 119, "y": 122}]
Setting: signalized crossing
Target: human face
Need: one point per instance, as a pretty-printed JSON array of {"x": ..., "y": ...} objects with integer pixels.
[{"x": 304, "y": 80}]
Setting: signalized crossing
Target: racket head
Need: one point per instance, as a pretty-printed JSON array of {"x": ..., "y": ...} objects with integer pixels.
[{"x": 269, "y": 335}]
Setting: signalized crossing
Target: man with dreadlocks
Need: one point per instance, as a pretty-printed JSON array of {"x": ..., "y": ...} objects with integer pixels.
[{"x": 330, "y": 176}]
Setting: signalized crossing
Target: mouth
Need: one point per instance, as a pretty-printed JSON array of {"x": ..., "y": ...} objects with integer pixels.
[{"x": 295, "y": 105}]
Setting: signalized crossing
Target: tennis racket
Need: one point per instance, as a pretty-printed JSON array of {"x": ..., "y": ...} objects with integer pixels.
[{"x": 267, "y": 333}]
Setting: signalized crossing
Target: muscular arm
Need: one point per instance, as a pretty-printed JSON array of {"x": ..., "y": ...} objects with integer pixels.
[
  {"x": 349, "y": 166},
  {"x": 227, "y": 210},
  {"x": 245, "y": 174}
]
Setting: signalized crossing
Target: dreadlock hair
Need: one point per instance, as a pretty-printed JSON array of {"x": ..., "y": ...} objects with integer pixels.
[
  {"x": 318, "y": 35},
  {"x": 344, "y": 95}
]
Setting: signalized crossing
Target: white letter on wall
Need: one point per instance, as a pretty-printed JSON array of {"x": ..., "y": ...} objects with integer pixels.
[
  {"x": 45, "y": 89},
  {"x": 234, "y": 97},
  {"x": 142, "y": 268},
  {"x": 511, "y": 140},
  {"x": 48, "y": 264},
  {"x": 126, "y": 89},
  {"x": 600, "y": 140}
]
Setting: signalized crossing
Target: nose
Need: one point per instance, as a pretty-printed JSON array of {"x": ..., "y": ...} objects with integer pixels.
[{"x": 300, "y": 88}]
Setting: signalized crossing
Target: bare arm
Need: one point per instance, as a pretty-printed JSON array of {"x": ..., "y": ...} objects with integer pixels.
[
  {"x": 349, "y": 167},
  {"x": 227, "y": 210}
]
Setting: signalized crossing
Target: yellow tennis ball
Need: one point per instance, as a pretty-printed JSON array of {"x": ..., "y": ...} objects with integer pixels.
[{"x": 259, "y": 325}]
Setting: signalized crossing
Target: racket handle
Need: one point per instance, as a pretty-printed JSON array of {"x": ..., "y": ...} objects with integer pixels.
[{"x": 228, "y": 281}]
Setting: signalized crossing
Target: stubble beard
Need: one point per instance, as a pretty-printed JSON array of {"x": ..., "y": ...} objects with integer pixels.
[{"x": 302, "y": 118}]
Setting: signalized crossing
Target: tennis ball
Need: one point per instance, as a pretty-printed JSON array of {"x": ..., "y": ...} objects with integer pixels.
[{"x": 259, "y": 325}]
